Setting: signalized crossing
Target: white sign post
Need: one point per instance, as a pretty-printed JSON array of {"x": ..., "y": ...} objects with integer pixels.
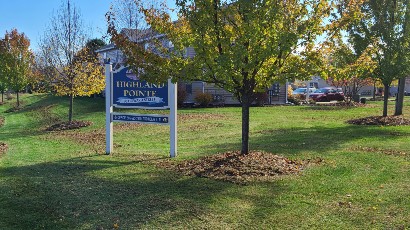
[
  {"x": 125, "y": 91},
  {"x": 108, "y": 110},
  {"x": 173, "y": 118}
]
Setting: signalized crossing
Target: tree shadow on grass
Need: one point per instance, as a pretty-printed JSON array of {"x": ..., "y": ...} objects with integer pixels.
[{"x": 97, "y": 192}]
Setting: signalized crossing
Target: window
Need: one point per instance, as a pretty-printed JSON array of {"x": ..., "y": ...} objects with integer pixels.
[{"x": 188, "y": 88}]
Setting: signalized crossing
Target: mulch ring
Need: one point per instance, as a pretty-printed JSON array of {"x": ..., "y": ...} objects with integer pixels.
[
  {"x": 380, "y": 120},
  {"x": 3, "y": 148},
  {"x": 237, "y": 168},
  {"x": 354, "y": 104},
  {"x": 341, "y": 104},
  {"x": 1, "y": 121},
  {"x": 68, "y": 125}
]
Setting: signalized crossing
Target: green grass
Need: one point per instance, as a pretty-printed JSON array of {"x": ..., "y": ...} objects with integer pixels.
[{"x": 52, "y": 181}]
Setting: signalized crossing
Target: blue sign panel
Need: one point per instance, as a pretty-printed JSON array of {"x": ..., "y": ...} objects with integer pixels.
[
  {"x": 130, "y": 92},
  {"x": 140, "y": 118}
]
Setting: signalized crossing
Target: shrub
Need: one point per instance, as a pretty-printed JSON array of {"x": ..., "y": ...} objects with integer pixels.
[
  {"x": 261, "y": 98},
  {"x": 311, "y": 101},
  {"x": 204, "y": 99},
  {"x": 9, "y": 96},
  {"x": 297, "y": 99},
  {"x": 181, "y": 95},
  {"x": 290, "y": 91}
]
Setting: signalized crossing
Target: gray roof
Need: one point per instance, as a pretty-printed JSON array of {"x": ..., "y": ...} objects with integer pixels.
[{"x": 106, "y": 48}]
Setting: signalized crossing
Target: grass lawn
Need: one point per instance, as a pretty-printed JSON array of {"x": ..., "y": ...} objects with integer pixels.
[{"x": 63, "y": 180}]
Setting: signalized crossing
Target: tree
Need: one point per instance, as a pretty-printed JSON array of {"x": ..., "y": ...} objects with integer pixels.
[
  {"x": 86, "y": 78},
  {"x": 3, "y": 86},
  {"x": 17, "y": 61},
  {"x": 94, "y": 44},
  {"x": 130, "y": 18},
  {"x": 3, "y": 75},
  {"x": 406, "y": 41},
  {"x": 63, "y": 50},
  {"x": 241, "y": 46},
  {"x": 346, "y": 68},
  {"x": 383, "y": 29}
]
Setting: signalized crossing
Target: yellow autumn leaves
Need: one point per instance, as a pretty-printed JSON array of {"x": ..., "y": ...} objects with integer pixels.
[{"x": 83, "y": 77}]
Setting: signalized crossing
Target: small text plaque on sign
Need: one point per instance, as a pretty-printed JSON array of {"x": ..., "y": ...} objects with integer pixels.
[
  {"x": 140, "y": 118},
  {"x": 130, "y": 92}
]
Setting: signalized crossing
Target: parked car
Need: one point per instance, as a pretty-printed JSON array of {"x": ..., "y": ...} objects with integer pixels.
[
  {"x": 327, "y": 94},
  {"x": 303, "y": 91}
]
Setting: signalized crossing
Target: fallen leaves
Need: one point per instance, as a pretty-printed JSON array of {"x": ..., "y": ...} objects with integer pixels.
[
  {"x": 69, "y": 125},
  {"x": 380, "y": 120},
  {"x": 201, "y": 116},
  {"x": 379, "y": 150},
  {"x": 1, "y": 121},
  {"x": 237, "y": 168},
  {"x": 3, "y": 148}
]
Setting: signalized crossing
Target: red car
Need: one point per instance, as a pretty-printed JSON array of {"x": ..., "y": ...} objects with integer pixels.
[{"x": 327, "y": 94}]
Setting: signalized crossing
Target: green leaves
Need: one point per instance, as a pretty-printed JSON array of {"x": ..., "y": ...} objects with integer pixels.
[{"x": 16, "y": 61}]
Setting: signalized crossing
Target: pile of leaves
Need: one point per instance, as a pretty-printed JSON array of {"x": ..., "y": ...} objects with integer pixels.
[
  {"x": 3, "y": 148},
  {"x": 380, "y": 120},
  {"x": 237, "y": 168},
  {"x": 69, "y": 125},
  {"x": 1, "y": 121},
  {"x": 352, "y": 104}
]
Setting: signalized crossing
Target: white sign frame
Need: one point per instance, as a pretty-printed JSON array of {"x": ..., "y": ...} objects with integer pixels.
[{"x": 109, "y": 110}]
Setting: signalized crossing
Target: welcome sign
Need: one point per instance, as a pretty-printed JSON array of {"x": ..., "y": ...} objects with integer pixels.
[
  {"x": 130, "y": 92},
  {"x": 125, "y": 90}
]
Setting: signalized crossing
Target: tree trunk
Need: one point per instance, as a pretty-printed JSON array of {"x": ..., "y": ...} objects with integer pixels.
[
  {"x": 374, "y": 91},
  {"x": 18, "y": 99},
  {"x": 70, "y": 109},
  {"x": 400, "y": 97},
  {"x": 386, "y": 99},
  {"x": 2, "y": 96},
  {"x": 245, "y": 127}
]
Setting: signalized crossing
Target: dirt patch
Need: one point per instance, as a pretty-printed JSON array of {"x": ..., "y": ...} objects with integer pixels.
[
  {"x": 237, "y": 168},
  {"x": 201, "y": 116},
  {"x": 379, "y": 120},
  {"x": 3, "y": 148},
  {"x": 378, "y": 150},
  {"x": 126, "y": 126},
  {"x": 1, "y": 121},
  {"x": 69, "y": 125},
  {"x": 200, "y": 127},
  {"x": 94, "y": 139},
  {"x": 45, "y": 115}
]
